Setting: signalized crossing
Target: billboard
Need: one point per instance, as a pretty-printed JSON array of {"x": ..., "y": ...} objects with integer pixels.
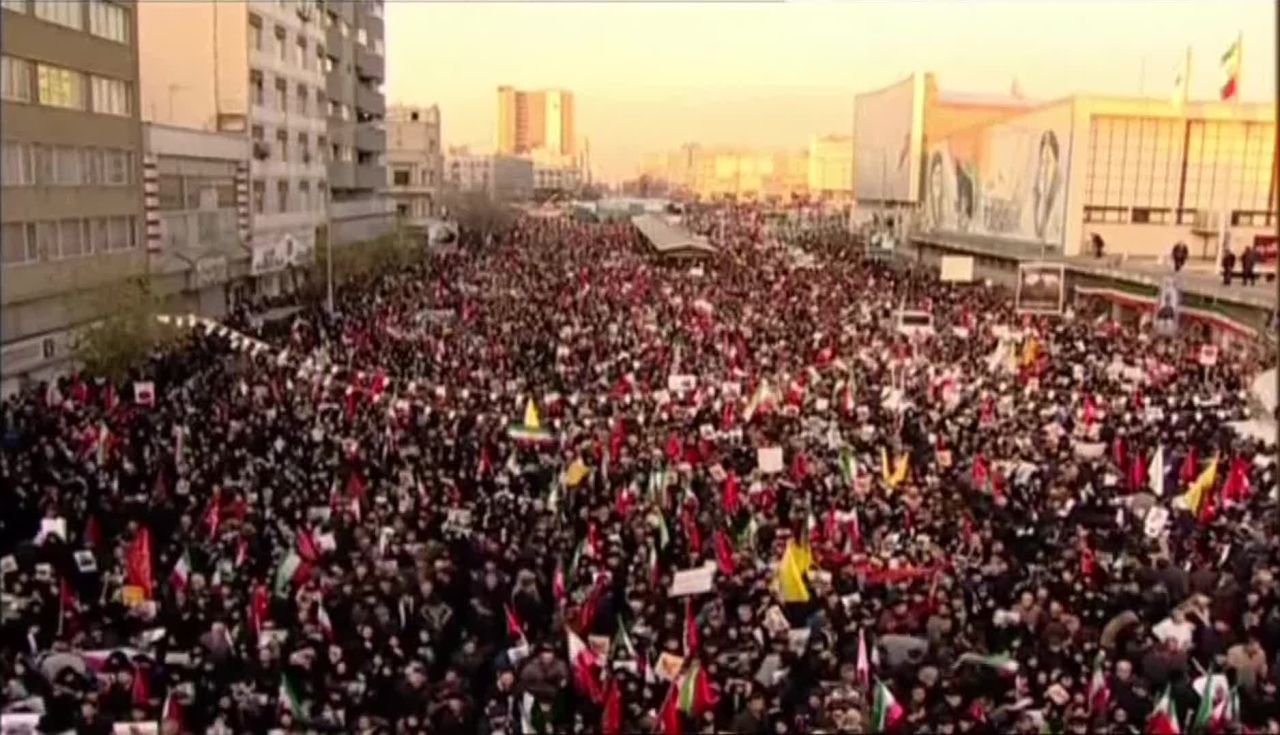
[
  {"x": 1005, "y": 180},
  {"x": 888, "y": 129},
  {"x": 1042, "y": 288}
]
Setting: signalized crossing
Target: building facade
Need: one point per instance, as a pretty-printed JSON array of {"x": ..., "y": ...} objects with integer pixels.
[
  {"x": 504, "y": 178},
  {"x": 831, "y": 167},
  {"x": 354, "y": 71},
  {"x": 1140, "y": 173},
  {"x": 72, "y": 192},
  {"x": 541, "y": 120},
  {"x": 415, "y": 165},
  {"x": 712, "y": 172}
]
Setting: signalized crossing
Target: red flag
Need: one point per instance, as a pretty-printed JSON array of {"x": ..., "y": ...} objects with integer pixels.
[
  {"x": 259, "y": 608},
  {"x": 514, "y": 628},
  {"x": 93, "y": 532},
  {"x": 669, "y": 715},
  {"x": 1236, "y": 486},
  {"x": 729, "y": 494},
  {"x": 611, "y": 718},
  {"x": 726, "y": 416},
  {"x": 1138, "y": 472},
  {"x": 980, "y": 472},
  {"x": 1207, "y": 508},
  {"x": 673, "y": 448},
  {"x": 211, "y": 514},
  {"x": 355, "y": 485},
  {"x": 1190, "y": 469},
  {"x": 138, "y": 561},
  {"x": 690, "y": 522},
  {"x": 1090, "y": 411},
  {"x": 307, "y": 547},
  {"x": 623, "y": 503},
  {"x": 617, "y": 435},
  {"x": 1119, "y": 452},
  {"x": 690, "y": 629},
  {"x": 799, "y": 467},
  {"x": 141, "y": 690},
  {"x": 724, "y": 553}
]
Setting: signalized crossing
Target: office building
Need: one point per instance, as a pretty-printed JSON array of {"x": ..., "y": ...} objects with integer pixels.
[
  {"x": 415, "y": 165},
  {"x": 72, "y": 193},
  {"x": 723, "y": 171},
  {"x": 354, "y": 54},
  {"x": 541, "y": 120}
]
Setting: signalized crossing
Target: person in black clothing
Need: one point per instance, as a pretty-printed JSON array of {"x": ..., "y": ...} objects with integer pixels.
[
  {"x": 1248, "y": 265},
  {"x": 1179, "y": 256},
  {"x": 1228, "y": 266}
]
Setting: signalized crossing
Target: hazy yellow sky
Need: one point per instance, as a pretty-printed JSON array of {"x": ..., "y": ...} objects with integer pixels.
[{"x": 649, "y": 76}]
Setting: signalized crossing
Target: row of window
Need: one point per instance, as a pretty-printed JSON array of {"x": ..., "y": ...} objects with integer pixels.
[
  {"x": 302, "y": 97},
  {"x": 404, "y": 177},
  {"x": 281, "y": 148},
  {"x": 26, "y": 81},
  {"x": 1168, "y": 216},
  {"x": 105, "y": 19},
  {"x": 1144, "y": 162},
  {"x": 177, "y": 192},
  {"x": 302, "y": 198},
  {"x": 38, "y": 164},
  {"x": 30, "y": 242}
]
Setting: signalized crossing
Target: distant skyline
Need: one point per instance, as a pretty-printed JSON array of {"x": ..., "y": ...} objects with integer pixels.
[{"x": 649, "y": 76}]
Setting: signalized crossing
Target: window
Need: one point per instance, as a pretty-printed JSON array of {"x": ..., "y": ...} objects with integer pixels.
[
  {"x": 60, "y": 87},
  {"x": 304, "y": 148},
  {"x": 400, "y": 177},
  {"x": 304, "y": 196},
  {"x": 282, "y": 195},
  {"x": 98, "y": 235},
  {"x": 257, "y": 133},
  {"x": 19, "y": 241},
  {"x": 282, "y": 143},
  {"x": 255, "y": 82},
  {"x": 301, "y": 93},
  {"x": 121, "y": 233},
  {"x": 111, "y": 96},
  {"x": 303, "y": 60},
  {"x": 67, "y": 162},
  {"x": 91, "y": 166},
  {"x": 17, "y": 6},
  {"x": 255, "y": 32},
  {"x": 17, "y": 169},
  {"x": 259, "y": 197},
  {"x": 108, "y": 20},
  {"x": 46, "y": 239},
  {"x": 72, "y": 242},
  {"x": 322, "y": 194},
  {"x": 1150, "y": 216},
  {"x": 117, "y": 168},
  {"x": 281, "y": 45},
  {"x": 169, "y": 192},
  {"x": 16, "y": 84},
  {"x": 61, "y": 12},
  {"x": 282, "y": 94}
]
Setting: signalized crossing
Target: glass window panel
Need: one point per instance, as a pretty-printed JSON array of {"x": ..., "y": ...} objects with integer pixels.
[
  {"x": 69, "y": 14},
  {"x": 71, "y": 238},
  {"x": 60, "y": 87},
  {"x": 108, "y": 20},
  {"x": 15, "y": 79}
]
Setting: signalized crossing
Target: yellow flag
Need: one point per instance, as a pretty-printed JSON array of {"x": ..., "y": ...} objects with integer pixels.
[
  {"x": 885, "y": 473},
  {"x": 575, "y": 473},
  {"x": 796, "y": 561},
  {"x": 1030, "y": 351},
  {"x": 531, "y": 420},
  {"x": 1194, "y": 495},
  {"x": 893, "y": 477}
]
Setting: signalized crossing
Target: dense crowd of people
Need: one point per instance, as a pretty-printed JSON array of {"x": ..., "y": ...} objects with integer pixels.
[{"x": 549, "y": 484}]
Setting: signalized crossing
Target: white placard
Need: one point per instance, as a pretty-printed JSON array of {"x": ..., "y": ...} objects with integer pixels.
[
  {"x": 681, "y": 383},
  {"x": 1208, "y": 355},
  {"x": 1153, "y": 525},
  {"x": 144, "y": 393},
  {"x": 1090, "y": 450},
  {"x": 692, "y": 581},
  {"x": 956, "y": 269},
  {"x": 769, "y": 460}
]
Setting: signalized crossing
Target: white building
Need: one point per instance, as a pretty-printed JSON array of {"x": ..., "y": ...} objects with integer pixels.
[
  {"x": 415, "y": 166},
  {"x": 506, "y": 178},
  {"x": 288, "y": 126},
  {"x": 556, "y": 177}
]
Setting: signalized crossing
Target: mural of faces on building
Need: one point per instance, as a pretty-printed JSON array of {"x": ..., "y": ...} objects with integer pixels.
[
  {"x": 951, "y": 193},
  {"x": 1047, "y": 182}
]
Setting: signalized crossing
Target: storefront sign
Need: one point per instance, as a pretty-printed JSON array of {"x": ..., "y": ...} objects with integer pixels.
[{"x": 211, "y": 271}]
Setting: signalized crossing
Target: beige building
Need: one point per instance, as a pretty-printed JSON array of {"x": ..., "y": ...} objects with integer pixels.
[
  {"x": 709, "y": 172},
  {"x": 541, "y": 120},
  {"x": 72, "y": 191},
  {"x": 502, "y": 177},
  {"x": 415, "y": 166},
  {"x": 831, "y": 167}
]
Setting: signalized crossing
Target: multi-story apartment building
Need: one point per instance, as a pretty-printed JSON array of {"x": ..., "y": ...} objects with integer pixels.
[
  {"x": 831, "y": 167},
  {"x": 72, "y": 197},
  {"x": 415, "y": 167},
  {"x": 505, "y": 178},
  {"x": 354, "y": 72},
  {"x": 541, "y": 120}
]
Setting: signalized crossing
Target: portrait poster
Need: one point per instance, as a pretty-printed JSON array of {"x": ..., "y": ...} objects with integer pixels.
[{"x": 1041, "y": 288}]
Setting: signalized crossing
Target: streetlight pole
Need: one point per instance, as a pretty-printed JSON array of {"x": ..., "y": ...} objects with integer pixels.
[{"x": 328, "y": 249}]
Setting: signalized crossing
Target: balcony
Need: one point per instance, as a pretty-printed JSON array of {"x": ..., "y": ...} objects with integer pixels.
[
  {"x": 371, "y": 138},
  {"x": 373, "y": 24},
  {"x": 337, "y": 87},
  {"x": 334, "y": 42},
  {"x": 370, "y": 100},
  {"x": 369, "y": 65},
  {"x": 342, "y": 175},
  {"x": 369, "y": 176}
]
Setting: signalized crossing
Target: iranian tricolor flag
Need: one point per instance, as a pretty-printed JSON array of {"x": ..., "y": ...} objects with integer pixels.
[
  {"x": 885, "y": 710},
  {"x": 181, "y": 572},
  {"x": 533, "y": 719},
  {"x": 1164, "y": 717},
  {"x": 584, "y": 662},
  {"x": 1231, "y": 70},
  {"x": 695, "y": 696},
  {"x": 1203, "y": 715},
  {"x": 1227, "y": 711},
  {"x": 1099, "y": 690},
  {"x": 286, "y": 572},
  {"x": 289, "y": 700}
]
